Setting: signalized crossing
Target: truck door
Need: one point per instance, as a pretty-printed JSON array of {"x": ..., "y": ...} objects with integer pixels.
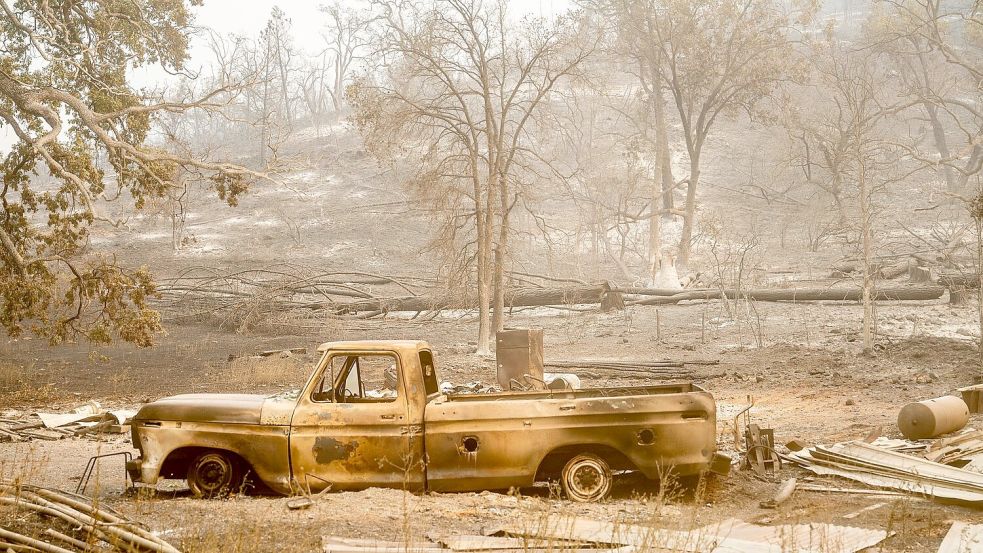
[{"x": 353, "y": 428}]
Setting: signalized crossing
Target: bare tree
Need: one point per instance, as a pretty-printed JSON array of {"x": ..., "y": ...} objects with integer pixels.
[
  {"x": 844, "y": 118},
  {"x": 934, "y": 47},
  {"x": 460, "y": 87},
  {"x": 713, "y": 58},
  {"x": 347, "y": 39}
]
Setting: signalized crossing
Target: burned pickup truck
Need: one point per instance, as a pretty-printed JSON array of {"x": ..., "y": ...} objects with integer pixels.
[{"x": 372, "y": 414}]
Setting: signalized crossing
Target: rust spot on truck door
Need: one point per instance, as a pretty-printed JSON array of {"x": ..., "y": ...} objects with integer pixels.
[{"x": 328, "y": 449}]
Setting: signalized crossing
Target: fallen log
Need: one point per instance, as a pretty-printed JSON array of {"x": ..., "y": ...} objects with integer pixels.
[
  {"x": 521, "y": 297},
  {"x": 959, "y": 280},
  {"x": 894, "y": 271},
  {"x": 908, "y": 293},
  {"x": 655, "y": 291}
]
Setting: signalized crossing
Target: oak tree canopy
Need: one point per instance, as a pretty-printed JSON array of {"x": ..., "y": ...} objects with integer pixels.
[{"x": 85, "y": 140}]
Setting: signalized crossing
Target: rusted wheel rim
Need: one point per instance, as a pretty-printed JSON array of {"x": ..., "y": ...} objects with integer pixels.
[
  {"x": 587, "y": 480},
  {"x": 213, "y": 474}
]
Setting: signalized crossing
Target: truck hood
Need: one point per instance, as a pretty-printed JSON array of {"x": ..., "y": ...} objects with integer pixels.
[{"x": 223, "y": 408}]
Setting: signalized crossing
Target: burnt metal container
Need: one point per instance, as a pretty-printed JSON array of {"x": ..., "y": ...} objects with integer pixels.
[
  {"x": 519, "y": 358},
  {"x": 933, "y": 417}
]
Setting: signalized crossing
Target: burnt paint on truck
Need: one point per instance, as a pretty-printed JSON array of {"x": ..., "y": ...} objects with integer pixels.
[
  {"x": 427, "y": 440},
  {"x": 328, "y": 450}
]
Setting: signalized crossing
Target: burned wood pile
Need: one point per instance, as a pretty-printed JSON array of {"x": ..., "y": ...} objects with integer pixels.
[{"x": 66, "y": 523}]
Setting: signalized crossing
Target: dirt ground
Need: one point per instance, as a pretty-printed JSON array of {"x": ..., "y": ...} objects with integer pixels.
[{"x": 801, "y": 364}]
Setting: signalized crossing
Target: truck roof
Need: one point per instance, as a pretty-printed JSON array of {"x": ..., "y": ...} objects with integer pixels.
[{"x": 374, "y": 345}]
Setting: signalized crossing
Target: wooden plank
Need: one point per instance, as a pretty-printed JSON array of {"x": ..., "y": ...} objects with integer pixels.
[
  {"x": 490, "y": 543},
  {"x": 652, "y": 540},
  {"x": 866, "y": 509},
  {"x": 332, "y": 544}
]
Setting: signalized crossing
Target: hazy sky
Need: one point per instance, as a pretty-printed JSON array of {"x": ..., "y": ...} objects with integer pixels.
[{"x": 248, "y": 17}]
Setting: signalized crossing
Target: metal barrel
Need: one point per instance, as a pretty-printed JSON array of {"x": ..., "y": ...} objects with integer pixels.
[{"x": 933, "y": 417}]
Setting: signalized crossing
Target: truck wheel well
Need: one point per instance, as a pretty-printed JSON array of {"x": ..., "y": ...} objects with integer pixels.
[
  {"x": 551, "y": 465},
  {"x": 177, "y": 462}
]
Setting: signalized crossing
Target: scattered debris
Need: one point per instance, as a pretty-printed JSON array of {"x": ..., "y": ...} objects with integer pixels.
[
  {"x": 84, "y": 526},
  {"x": 562, "y": 381},
  {"x": 894, "y": 444},
  {"x": 731, "y": 536},
  {"x": 720, "y": 464},
  {"x": 961, "y": 447},
  {"x": 796, "y": 445},
  {"x": 973, "y": 396},
  {"x": 761, "y": 456},
  {"x": 866, "y": 509},
  {"x": 963, "y": 538},
  {"x": 283, "y": 352},
  {"x": 852, "y": 491},
  {"x": 883, "y": 468},
  {"x": 933, "y": 417},
  {"x": 556, "y": 533},
  {"x": 90, "y": 418},
  {"x": 785, "y": 492},
  {"x": 473, "y": 387}
]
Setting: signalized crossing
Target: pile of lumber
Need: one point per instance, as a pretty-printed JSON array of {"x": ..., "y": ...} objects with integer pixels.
[
  {"x": 562, "y": 533},
  {"x": 89, "y": 420},
  {"x": 74, "y": 523},
  {"x": 883, "y": 468},
  {"x": 956, "y": 448}
]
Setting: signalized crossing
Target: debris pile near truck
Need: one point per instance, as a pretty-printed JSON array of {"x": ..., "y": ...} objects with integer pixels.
[
  {"x": 90, "y": 419},
  {"x": 562, "y": 533},
  {"x": 883, "y": 468},
  {"x": 71, "y": 523}
]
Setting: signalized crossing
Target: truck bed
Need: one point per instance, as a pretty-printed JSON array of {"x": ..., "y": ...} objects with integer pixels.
[
  {"x": 510, "y": 439},
  {"x": 620, "y": 391}
]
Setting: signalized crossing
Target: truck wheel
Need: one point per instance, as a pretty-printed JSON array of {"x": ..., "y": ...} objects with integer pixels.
[
  {"x": 586, "y": 477},
  {"x": 214, "y": 474}
]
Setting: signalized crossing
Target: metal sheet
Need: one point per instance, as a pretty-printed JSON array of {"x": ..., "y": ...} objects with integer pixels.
[{"x": 963, "y": 538}]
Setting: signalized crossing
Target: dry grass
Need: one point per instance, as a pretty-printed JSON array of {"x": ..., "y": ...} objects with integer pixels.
[
  {"x": 16, "y": 386},
  {"x": 275, "y": 370}
]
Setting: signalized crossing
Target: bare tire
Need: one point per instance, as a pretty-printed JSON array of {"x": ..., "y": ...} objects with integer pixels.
[
  {"x": 214, "y": 474},
  {"x": 586, "y": 477}
]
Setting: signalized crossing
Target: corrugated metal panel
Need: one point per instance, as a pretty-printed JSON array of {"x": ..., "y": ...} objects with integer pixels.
[
  {"x": 796, "y": 538},
  {"x": 963, "y": 538}
]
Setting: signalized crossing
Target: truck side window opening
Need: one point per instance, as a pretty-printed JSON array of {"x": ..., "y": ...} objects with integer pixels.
[
  {"x": 365, "y": 378},
  {"x": 429, "y": 374}
]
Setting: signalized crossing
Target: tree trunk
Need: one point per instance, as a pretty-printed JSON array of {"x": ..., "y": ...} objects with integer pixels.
[
  {"x": 942, "y": 145},
  {"x": 662, "y": 151},
  {"x": 655, "y": 235},
  {"x": 501, "y": 252},
  {"x": 867, "y": 245},
  {"x": 682, "y": 262},
  {"x": 979, "y": 282}
]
